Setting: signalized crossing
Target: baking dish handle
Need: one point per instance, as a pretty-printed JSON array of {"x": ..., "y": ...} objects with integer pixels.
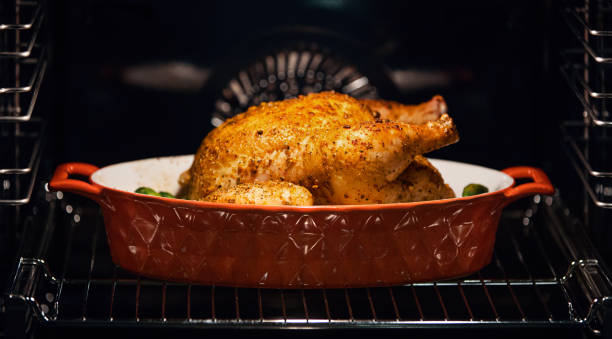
[
  {"x": 61, "y": 181},
  {"x": 540, "y": 184}
]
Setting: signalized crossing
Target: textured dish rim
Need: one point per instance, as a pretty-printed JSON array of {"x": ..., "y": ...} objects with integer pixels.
[{"x": 294, "y": 208}]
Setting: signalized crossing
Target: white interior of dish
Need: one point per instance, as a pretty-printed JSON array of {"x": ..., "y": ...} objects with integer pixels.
[
  {"x": 458, "y": 175},
  {"x": 162, "y": 174}
]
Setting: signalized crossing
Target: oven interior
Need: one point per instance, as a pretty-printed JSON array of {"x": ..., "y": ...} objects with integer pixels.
[{"x": 110, "y": 81}]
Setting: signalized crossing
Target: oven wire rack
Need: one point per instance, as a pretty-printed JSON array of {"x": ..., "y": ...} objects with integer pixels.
[
  {"x": 544, "y": 273},
  {"x": 597, "y": 182},
  {"x": 585, "y": 32},
  {"x": 18, "y": 99},
  {"x": 21, "y": 143},
  {"x": 586, "y": 69},
  {"x": 591, "y": 100},
  {"x": 23, "y": 65},
  {"x": 30, "y": 30}
]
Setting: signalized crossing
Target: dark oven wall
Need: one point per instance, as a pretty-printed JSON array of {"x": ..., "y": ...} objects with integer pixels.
[
  {"x": 134, "y": 79},
  {"x": 131, "y": 79}
]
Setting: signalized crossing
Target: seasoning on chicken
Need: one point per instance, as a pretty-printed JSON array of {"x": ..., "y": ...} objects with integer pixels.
[
  {"x": 332, "y": 144},
  {"x": 265, "y": 193},
  {"x": 412, "y": 114}
]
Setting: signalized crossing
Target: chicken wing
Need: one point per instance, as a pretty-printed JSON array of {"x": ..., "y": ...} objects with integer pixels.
[{"x": 412, "y": 114}]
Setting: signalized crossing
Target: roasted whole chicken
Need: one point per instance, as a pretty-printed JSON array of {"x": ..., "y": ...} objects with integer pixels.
[{"x": 339, "y": 149}]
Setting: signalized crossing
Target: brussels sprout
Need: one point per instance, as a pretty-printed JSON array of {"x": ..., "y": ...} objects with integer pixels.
[
  {"x": 146, "y": 190},
  {"x": 474, "y": 189},
  {"x": 166, "y": 195}
]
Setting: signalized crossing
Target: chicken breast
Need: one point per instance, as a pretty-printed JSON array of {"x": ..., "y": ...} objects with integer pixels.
[{"x": 329, "y": 143}]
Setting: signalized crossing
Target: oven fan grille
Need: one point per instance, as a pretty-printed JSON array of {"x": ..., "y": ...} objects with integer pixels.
[
  {"x": 544, "y": 273},
  {"x": 286, "y": 74}
]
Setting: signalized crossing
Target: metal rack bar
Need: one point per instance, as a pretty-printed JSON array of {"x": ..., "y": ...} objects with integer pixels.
[
  {"x": 305, "y": 305},
  {"x": 28, "y": 195},
  {"x": 530, "y": 276},
  {"x": 212, "y": 303},
  {"x": 92, "y": 261},
  {"x": 188, "y": 303},
  {"x": 394, "y": 303},
  {"x": 29, "y": 46},
  {"x": 237, "y": 304},
  {"x": 467, "y": 282},
  {"x": 326, "y": 303},
  {"x": 576, "y": 269},
  {"x": 465, "y": 301},
  {"x": 572, "y": 143},
  {"x": 371, "y": 303},
  {"x": 585, "y": 44},
  {"x": 486, "y": 291},
  {"x": 348, "y": 305},
  {"x": 33, "y": 99},
  {"x": 587, "y": 88},
  {"x": 283, "y": 306},
  {"x": 30, "y": 171},
  {"x": 28, "y": 271},
  {"x": 416, "y": 301},
  {"x": 441, "y": 302},
  {"x": 163, "y": 305},
  {"x": 64, "y": 268},
  {"x": 545, "y": 254},
  {"x": 259, "y": 303},
  {"x": 37, "y": 136},
  {"x": 575, "y": 68},
  {"x": 586, "y": 165},
  {"x": 512, "y": 294},
  {"x": 29, "y": 23},
  {"x": 585, "y": 26},
  {"x": 112, "y": 298},
  {"x": 138, "y": 302},
  {"x": 40, "y": 62},
  {"x": 580, "y": 95}
]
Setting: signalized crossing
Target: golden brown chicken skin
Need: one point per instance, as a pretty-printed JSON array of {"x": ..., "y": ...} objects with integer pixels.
[
  {"x": 419, "y": 182},
  {"x": 266, "y": 193},
  {"x": 329, "y": 143},
  {"x": 422, "y": 181},
  {"x": 412, "y": 114}
]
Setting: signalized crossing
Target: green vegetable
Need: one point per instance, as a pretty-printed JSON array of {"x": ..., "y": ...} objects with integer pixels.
[
  {"x": 147, "y": 190},
  {"x": 150, "y": 191},
  {"x": 166, "y": 195},
  {"x": 474, "y": 189}
]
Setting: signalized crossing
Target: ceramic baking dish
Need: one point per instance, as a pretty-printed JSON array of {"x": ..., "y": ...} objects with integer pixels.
[{"x": 291, "y": 246}]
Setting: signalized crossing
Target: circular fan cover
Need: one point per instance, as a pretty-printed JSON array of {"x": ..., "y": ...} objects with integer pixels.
[{"x": 286, "y": 74}]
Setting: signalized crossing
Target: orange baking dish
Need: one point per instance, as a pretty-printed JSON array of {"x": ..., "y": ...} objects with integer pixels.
[{"x": 291, "y": 246}]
